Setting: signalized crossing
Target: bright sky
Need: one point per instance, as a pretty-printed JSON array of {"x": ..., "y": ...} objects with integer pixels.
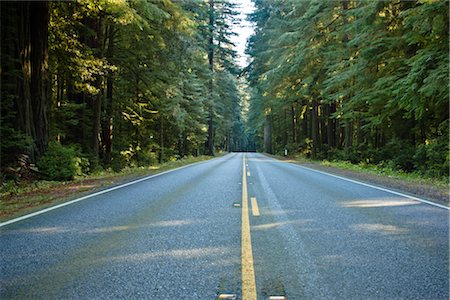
[{"x": 244, "y": 30}]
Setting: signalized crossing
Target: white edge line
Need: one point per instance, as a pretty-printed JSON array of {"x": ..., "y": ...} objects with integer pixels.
[
  {"x": 98, "y": 193},
  {"x": 373, "y": 186}
]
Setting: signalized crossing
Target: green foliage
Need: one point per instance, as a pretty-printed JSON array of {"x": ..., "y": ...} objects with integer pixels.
[
  {"x": 12, "y": 143},
  {"x": 399, "y": 154},
  {"x": 359, "y": 81},
  {"x": 118, "y": 162},
  {"x": 59, "y": 162},
  {"x": 129, "y": 84},
  {"x": 432, "y": 158}
]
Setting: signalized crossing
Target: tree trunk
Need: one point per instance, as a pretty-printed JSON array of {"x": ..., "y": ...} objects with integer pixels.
[
  {"x": 108, "y": 106},
  {"x": 305, "y": 127},
  {"x": 24, "y": 63},
  {"x": 97, "y": 99},
  {"x": 107, "y": 122},
  {"x": 338, "y": 127},
  {"x": 210, "y": 141},
  {"x": 314, "y": 128},
  {"x": 331, "y": 125},
  {"x": 161, "y": 138},
  {"x": 39, "y": 19},
  {"x": 23, "y": 102},
  {"x": 293, "y": 122},
  {"x": 348, "y": 134},
  {"x": 285, "y": 126},
  {"x": 268, "y": 134},
  {"x": 181, "y": 144},
  {"x": 348, "y": 123}
]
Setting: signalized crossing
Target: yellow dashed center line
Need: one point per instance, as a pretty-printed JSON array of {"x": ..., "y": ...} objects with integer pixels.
[
  {"x": 248, "y": 174},
  {"x": 255, "y": 208},
  {"x": 248, "y": 272}
]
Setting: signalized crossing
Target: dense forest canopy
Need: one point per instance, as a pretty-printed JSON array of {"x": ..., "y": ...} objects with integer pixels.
[
  {"x": 102, "y": 84},
  {"x": 117, "y": 83},
  {"x": 363, "y": 81}
]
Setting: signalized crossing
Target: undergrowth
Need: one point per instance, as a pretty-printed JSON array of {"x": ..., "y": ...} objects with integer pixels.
[{"x": 381, "y": 170}]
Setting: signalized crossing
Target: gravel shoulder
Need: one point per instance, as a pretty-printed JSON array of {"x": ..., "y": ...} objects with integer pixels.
[
  {"x": 429, "y": 192},
  {"x": 39, "y": 195}
]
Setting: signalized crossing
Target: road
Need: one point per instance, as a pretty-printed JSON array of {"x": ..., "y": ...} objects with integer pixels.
[{"x": 195, "y": 233}]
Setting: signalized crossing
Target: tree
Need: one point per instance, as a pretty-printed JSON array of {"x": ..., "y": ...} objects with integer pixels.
[
  {"x": 120, "y": 83},
  {"x": 364, "y": 76},
  {"x": 25, "y": 78}
]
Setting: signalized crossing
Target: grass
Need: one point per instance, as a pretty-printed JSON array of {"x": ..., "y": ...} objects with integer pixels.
[
  {"x": 387, "y": 172},
  {"x": 26, "y": 197},
  {"x": 429, "y": 188},
  {"x": 377, "y": 170}
]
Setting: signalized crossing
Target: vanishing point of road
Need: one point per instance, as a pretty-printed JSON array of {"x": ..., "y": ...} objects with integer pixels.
[{"x": 242, "y": 224}]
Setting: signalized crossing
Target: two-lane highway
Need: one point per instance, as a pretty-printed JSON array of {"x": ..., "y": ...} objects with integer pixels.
[{"x": 180, "y": 235}]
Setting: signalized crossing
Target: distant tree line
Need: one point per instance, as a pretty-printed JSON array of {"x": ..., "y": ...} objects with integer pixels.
[
  {"x": 109, "y": 84},
  {"x": 363, "y": 81}
]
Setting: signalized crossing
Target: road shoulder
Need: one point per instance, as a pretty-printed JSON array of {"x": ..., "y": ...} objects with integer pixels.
[
  {"x": 428, "y": 192},
  {"x": 42, "y": 197}
]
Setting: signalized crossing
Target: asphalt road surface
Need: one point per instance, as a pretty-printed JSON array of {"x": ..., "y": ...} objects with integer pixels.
[{"x": 241, "y": 224}]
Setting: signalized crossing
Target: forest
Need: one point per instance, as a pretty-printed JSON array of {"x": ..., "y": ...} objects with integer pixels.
[
  {"x": 106, "y": 84},
  {"x": 359, "y": 81},
  {"x": 92, "y": 85}
]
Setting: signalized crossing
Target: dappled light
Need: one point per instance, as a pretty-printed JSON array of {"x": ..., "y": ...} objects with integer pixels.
[
  {"x": 106, "y": 229},
  {"x": 374, "y": 203},
  {"x": 280, "y": 224},
  {"x": 264, "y": 159},
  {"x": 40, "y": 230},
  {"x": 133, "y": 227},
  {"x": 171, "y": 254},
  {"x": 380, "y": 228}
]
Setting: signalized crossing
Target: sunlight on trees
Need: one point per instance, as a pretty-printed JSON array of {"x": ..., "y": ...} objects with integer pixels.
[
  {"x": 363, "y": 81},
  {"x": 123, "y": 83}
]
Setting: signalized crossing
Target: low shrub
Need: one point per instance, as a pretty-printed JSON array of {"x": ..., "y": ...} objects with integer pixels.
[
  {"x": 432, "y": 158},
  {"x": 396, "y": 154},
  {"x": 59, "y": 162},
  {"x": 118, "y": 161}
]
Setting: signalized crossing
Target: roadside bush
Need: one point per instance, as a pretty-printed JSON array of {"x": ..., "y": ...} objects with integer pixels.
[
  {"x": 12, "y": 143},
  {"x": 146, "y": 158},
  {"x": 351, "y": 154},
  {"x": 59, "y": 162},
  {"x": 118, "y": 161},
  {"x": 306, "y": 147},
  {"x": 83, "y": 165},
  {"x": 400, "y": 155},
  {"x": 432, "y": 158}
]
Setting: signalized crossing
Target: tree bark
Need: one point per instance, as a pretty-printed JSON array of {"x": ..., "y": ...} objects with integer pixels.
[
  {"x": 348, "y": 134},
  {"x": 39, "y": 19},
  {"x": 285, "y": 127},
  {"x": 210, "y": 140},
  {"x": 23, "y": 101},
  {"x": 25, "y": 61},
  {"x": 314, "y": 127},
  {"x": 305, "y": 124},
  {"x": 293, "y": 122},
  {"x": 268, "y": 134},
  {"x": 331, "y": 125},
  {"x": 108, "y": 105},
  {"x": 161, "y": 138}
]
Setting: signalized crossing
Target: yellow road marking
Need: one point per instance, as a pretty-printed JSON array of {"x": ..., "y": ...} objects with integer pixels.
[
  {"x": 255, "y": 208},
  {"x": 248, "y": 174},
  {"x": 248, "y": 272}
]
